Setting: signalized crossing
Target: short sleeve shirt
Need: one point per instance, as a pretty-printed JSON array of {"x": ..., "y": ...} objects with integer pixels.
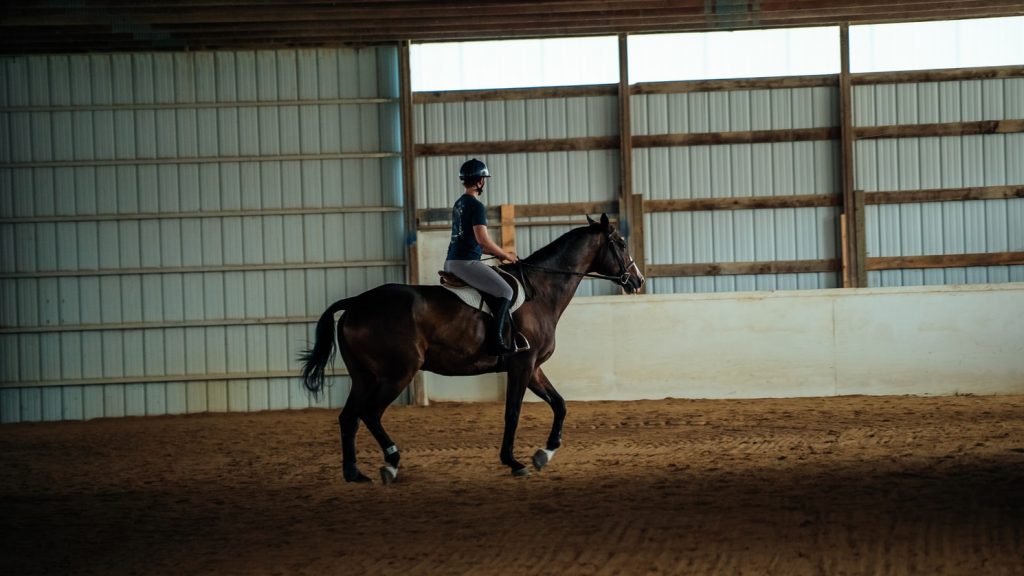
[{"x": 467, "y": 212}]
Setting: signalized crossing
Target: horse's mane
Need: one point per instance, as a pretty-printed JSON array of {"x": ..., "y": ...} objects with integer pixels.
[{"x": 557, "y": 247}]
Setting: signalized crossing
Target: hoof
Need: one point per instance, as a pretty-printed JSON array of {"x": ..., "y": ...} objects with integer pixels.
[
  {"x": 388, "y": 474},
  {"x": 521, "y": 471},
  {"x": 542, "y": 457},
  {"x": 359, "y": 478}
]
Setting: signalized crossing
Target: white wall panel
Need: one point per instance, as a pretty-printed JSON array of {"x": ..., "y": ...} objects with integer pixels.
[{"x": 94, "y": 293}]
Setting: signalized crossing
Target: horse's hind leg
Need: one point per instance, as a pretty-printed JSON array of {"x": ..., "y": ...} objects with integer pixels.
[
  {"x": 542, "y": 387},
  {"x": 387, "y": 390},
  {"x": 348, "y": 422}
]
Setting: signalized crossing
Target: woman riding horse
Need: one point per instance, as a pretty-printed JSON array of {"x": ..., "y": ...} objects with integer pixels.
[
  {"x": 390, "y": 332},
  {"x": 469, "y": 240}
]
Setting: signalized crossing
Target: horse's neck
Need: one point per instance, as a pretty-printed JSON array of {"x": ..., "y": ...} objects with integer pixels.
[{"x": 556, "y": 290}]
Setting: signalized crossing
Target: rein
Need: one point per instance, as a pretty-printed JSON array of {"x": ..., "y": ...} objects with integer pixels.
[
  {"x": 616, "y": 279},
  {"x": 622, "y": 279}
]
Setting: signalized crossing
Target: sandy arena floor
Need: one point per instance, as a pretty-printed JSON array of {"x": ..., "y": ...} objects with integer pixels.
[{"x": 850, "y": 485}]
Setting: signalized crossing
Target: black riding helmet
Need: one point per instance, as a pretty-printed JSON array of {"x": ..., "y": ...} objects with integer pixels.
[{"x": 473, "y": 170}]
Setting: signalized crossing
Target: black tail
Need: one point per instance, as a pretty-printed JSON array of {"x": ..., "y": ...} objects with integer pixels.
[{"x": 315, "y": 360}]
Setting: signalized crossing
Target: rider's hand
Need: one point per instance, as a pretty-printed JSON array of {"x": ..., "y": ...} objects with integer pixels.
[{"x": 511, "y": 257}]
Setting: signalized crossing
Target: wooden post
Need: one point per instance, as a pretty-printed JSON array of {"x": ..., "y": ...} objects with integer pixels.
[
  {"x": 859, "y": 219},
  {"x": 852, "y": 250},
  {"x": 417, "y": 388},
  {"x": 508, "y": 227},
  {"x": 637, "y": 210},
  {"x": 630, "y": 208}
]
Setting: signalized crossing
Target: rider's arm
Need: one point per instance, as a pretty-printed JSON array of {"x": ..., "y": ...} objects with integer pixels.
[{"x": 488, "y": 245}]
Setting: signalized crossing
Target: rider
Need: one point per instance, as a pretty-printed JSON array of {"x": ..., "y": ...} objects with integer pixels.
[{"x": 469, "y": 240}]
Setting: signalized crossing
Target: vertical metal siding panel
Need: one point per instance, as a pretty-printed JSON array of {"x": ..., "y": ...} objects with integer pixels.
[
  {"x": 10, "y": 405},
  {"x": 216, "y": 350},
  {"x": 28, "y": 358},
  {"x": 113, "y": 347},
  {"x": 72, "y": 403},
  {"x": 71, "y": 355},
  {"x": 177, "y": 398},
  {"x": 92, "y": 402},
  {"x": 195, "y": 350},
  {"x": 196, "y": 401},
  {"x": 217, "y": 396},
  {"x": 135, "y": 399},
  {"x": 278, "y": 393},
  {"x": 134, "y": 353},
  {"x": 52, "y": 408},
  {"x": 5, "y": 62},
  {"x": 256, "y": 348},
  {"x": 237, "y": 396},
  {"x": 297, "y": 395},
  {"x": 31, "y": 405},
  {"x": 258, "y": 395},
  {"x": 174, "y": 351},
  {"x": 153, "y": 360},
  {"x": 113, "y": 401}
]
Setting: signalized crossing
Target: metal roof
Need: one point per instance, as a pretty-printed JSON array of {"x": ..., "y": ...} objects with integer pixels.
[{"x": 133, "y": 25}]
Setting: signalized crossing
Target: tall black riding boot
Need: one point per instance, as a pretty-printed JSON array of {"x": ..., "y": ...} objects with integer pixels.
[{"x": 500, "y": 346}]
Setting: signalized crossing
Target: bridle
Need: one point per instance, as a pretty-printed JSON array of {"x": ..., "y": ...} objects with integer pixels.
[{"x": 622, "y": 279}]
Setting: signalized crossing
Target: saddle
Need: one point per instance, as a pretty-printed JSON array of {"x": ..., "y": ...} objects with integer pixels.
[{"x": 476, "y": 300}]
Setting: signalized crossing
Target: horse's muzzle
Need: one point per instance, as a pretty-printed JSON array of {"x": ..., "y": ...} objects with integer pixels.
[{"x": 632, "y": 279}]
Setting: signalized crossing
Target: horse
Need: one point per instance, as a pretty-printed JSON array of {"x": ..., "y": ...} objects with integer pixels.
[{"x": 388, "y": 333}]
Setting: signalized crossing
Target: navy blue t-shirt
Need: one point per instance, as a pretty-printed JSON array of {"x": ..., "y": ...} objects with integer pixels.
[{"x": 467, "y": 212}]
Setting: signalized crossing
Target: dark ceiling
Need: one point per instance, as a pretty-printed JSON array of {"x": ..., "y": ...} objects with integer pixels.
[{"x": 111, "y": 25}]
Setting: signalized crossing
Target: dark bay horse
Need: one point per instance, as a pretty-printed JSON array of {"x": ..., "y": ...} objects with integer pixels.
[{"x": 388, "y": 333}]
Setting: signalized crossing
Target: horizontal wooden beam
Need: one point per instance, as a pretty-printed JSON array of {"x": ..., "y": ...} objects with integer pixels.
[
  {"x": 742, "y": 137},
  {"x": 742, "y": 268},
  {"x": 571, "y": 222},
  {"x": 728, "y": 84},
  {"x": 580, "y": 209},
  {"x": 611, "y": 142},
  {"x": 201, "y": 269},
  {"x": 198, "y": 160},
  {"x": 568, "y": 208},
  {"x": 946, "y": 261},
  {"x": 136, "y": 106},
  {"x": 944, "y": 195},
  {"x": 105, "y": 327},
  {"x": 742, "y": 203},
  {"x": 519, "y": 146},
  {"x": 439, "y": 97},
  {"x": 943, "y": 129},
  {"x": 721, "y": 85},
  {"x": 917, "y": 76},
  {"x": 642, "y": 88},
  {"x": 201, "y": 214},
  {"x": 157, "y": 379}
]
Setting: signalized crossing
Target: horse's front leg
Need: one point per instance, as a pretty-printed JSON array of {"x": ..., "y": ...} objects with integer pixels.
[
  {"x": 519, "y": 373},
  {"x": 542, "y": 387}
]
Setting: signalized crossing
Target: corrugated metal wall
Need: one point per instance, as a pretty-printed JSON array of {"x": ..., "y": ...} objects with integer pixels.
[
  {"x": 171, "y": 224},
  {"x": 942, "y": 162},
  {"x": 723, "y": 171},
  {"x": 524, "y": 178}
]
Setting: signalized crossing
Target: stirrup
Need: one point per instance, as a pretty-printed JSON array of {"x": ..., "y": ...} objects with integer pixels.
[{"x": 516, "y": 342}]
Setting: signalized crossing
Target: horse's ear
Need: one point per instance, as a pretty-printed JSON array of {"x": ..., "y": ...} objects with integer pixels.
[
  {"x": 590, "y": 220},
  {"x": 604, "y": 220}
]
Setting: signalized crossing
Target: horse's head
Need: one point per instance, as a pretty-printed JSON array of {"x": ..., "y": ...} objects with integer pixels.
[{"x": 613, "y": 258}]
